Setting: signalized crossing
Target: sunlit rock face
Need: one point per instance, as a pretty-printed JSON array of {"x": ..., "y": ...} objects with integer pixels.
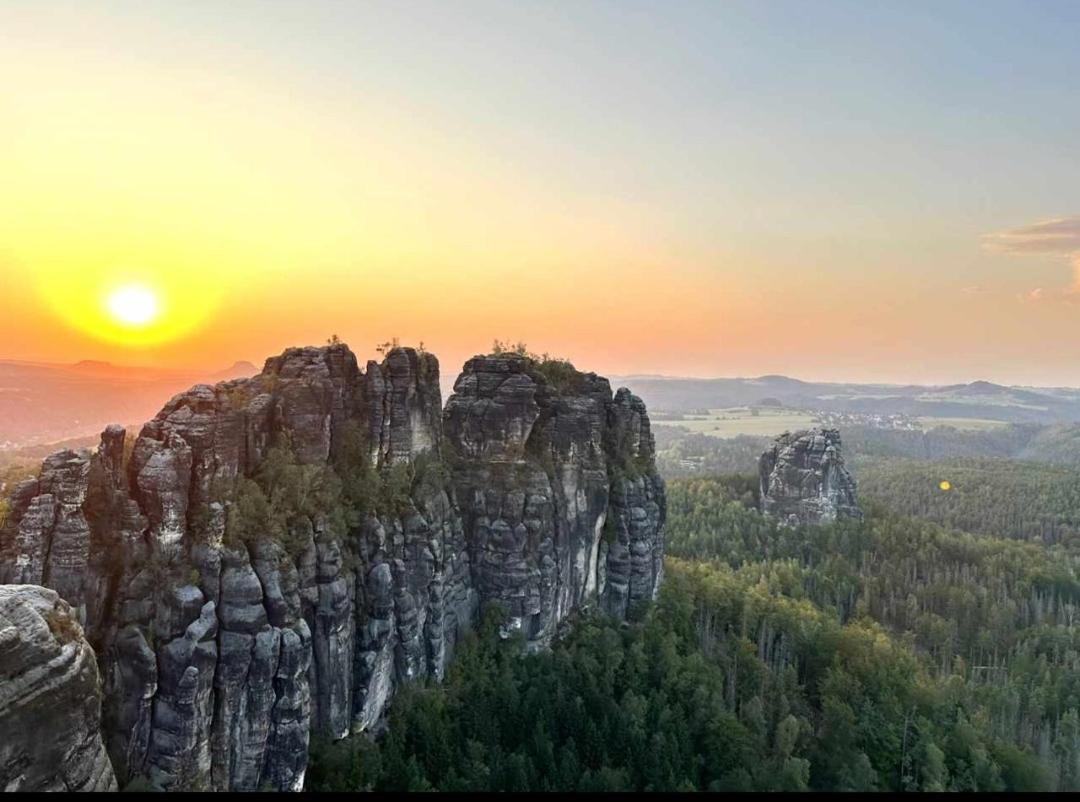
[
  {"x": 240, "y": 600},
  {"x": 50, "y": 697},
  {"x": 803, "y": 479}
]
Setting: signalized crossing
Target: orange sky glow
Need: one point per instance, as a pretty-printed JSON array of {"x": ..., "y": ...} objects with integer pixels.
[{"x": 267, "y": 196}]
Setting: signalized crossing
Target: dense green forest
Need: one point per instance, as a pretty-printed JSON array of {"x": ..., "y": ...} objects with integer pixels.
[
  {"x": 992, "y": 617},
  {"x": 680, "y": 453},
  {"x": 1024, "y": 500},
  {"x": 891, "y": 654}
]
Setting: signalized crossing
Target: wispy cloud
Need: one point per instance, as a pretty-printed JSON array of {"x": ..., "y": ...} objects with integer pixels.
[
  {"x": 1057, "y": 237},
  {"x": 1060, "y": 235}
]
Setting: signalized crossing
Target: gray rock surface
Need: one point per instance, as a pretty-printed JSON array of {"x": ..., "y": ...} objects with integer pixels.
[
  {"x": 50, "y": 697},
  {"x": 803, "y": 479},
  {"x": 558, "y": 491},
  {"x": 279, "y": 553}
]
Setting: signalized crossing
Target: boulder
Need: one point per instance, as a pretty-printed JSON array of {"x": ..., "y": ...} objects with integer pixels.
[{"x": 50, "y": 697}]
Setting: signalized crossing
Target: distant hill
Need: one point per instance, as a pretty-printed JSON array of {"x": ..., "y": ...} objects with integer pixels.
[
  {"x": 43, "y": 402},
  {"x": 979, "y": 399}
]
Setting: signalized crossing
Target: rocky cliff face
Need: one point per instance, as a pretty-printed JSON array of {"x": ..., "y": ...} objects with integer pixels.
[
  {"x": 278, "y": 553},
  {"x": 558, "y": 492},
  {"x": 50, "y": 701},
  {"x": 803, "y": 479}
]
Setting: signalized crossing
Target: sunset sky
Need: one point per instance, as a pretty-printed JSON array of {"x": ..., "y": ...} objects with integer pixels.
[{"x": 884, "y": 191}]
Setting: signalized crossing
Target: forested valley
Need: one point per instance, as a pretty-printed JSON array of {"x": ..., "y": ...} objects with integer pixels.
[{"x": 892, "y": 653}]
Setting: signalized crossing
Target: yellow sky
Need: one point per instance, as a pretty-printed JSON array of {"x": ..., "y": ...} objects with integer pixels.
[
  {"x": 261, "y": 222},
  {"x": 275, "y": 184}
]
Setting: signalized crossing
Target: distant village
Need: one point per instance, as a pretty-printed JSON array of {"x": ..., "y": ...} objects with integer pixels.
[
  {"x": 875, "y": 420},
  {"x": 896, "y": 420}
]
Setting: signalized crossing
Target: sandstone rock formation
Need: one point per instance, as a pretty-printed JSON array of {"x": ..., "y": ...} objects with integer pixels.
[
  {"x": 50, "y": 697},
  {"x": 278, "y": 553},
  {"x": 803, "y": 479},
  {"x": 557, "y": 487}
]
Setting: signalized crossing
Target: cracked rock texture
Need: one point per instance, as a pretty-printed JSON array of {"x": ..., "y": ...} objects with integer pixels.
[
  {"x": 240, "y": 601},
  {"x": 50, "y": 699},
  {"x": 803, "y": 479}
]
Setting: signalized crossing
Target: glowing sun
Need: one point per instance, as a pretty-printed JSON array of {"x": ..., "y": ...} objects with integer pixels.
[{"x": 133, "y": 305}]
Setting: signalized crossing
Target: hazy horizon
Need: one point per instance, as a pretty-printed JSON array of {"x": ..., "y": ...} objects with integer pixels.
[{"x": 448, "y": 376}]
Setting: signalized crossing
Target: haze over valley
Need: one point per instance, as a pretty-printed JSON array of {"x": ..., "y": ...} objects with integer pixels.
[
  {"x": 47, "y": 403},
  {"x": 43, "y": 403}
]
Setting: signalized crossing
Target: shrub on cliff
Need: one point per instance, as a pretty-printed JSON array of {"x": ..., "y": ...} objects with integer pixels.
[
  {"x": 559, "y": 373},
  {"x": 283, "y": 501}
]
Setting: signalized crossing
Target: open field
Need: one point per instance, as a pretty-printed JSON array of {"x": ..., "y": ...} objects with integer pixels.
[{"x": 734, "y": 421}]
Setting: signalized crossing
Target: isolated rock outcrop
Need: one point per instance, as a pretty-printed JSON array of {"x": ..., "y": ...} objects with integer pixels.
[
  {"x": 50, "y": 697},
  {"x": 803, "y": 479},
  {"x": 277, "y": 554}
]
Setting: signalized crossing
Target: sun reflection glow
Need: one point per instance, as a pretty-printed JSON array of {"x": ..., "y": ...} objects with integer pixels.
[{"x": 133, "y": 306}]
